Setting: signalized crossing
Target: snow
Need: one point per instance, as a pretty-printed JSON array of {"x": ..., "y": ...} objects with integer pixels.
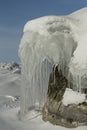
[
  {"x": 72, "y": 97},
  {"x": 78, "y": 63},
  {"x": 9, "y": 79}
]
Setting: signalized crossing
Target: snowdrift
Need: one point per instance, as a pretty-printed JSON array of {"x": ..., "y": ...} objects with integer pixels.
[{"x": 52, "y": 41}]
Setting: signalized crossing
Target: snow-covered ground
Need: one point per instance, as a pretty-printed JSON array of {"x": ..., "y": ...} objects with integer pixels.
[
  {"x": 10, "y": 84},
  {"x": 9, "y": 121}
]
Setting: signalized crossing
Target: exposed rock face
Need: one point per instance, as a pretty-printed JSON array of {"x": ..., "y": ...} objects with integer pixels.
[
  {"x": 57, "y": 85},
  {"x": 55, "y": 111}
]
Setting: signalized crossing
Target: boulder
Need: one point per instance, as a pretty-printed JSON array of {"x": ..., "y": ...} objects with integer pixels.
[{"x": 55, "y": 111}]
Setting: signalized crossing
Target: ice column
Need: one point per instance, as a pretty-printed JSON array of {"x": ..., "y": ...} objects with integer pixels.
[{"x": 46, "y": 42}]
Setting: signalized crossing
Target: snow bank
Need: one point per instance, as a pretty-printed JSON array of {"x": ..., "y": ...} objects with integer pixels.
[
  {"x": 49, "y": 41},
  {"x": 72, "y": 97}
]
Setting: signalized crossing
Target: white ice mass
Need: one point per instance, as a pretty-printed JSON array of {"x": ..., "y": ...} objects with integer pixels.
[
  {"x": 72, "y": 97},
  {"x": 49, "y": 41}
]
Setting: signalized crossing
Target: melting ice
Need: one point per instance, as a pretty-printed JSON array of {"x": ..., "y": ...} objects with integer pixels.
[{"x": 52, "y": 41}]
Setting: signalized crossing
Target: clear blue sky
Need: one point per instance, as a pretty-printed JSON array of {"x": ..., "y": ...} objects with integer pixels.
[{"x": 15, "y": 13}]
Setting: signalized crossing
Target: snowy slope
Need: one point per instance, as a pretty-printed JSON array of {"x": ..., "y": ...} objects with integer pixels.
[
  {"x": 10, "y": 85},
  {"x": 10, "y": 79}
]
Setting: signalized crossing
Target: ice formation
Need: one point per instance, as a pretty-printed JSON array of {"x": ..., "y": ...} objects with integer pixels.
[{"x": 52, "y": 41}]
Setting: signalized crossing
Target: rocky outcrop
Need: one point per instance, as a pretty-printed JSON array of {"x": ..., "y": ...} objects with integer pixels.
[
  {"x": 55, "y": 111},
  {"x": 13, "y": 67}
]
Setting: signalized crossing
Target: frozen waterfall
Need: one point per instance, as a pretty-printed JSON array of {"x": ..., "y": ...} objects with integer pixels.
[{"x": 48, "y": 42}]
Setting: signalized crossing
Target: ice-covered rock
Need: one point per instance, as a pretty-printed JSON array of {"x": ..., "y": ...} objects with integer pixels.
[{"x": 53, "y": 41}]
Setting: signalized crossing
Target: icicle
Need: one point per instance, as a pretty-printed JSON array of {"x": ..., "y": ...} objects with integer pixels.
[
  {"x": 69, "y": 80},
  {"x": 54, "y": 68}
]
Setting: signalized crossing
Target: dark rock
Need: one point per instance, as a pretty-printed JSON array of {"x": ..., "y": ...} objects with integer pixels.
[
  {"x": 54, "y": 110},
  {"x": 57, "y": 86}
]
